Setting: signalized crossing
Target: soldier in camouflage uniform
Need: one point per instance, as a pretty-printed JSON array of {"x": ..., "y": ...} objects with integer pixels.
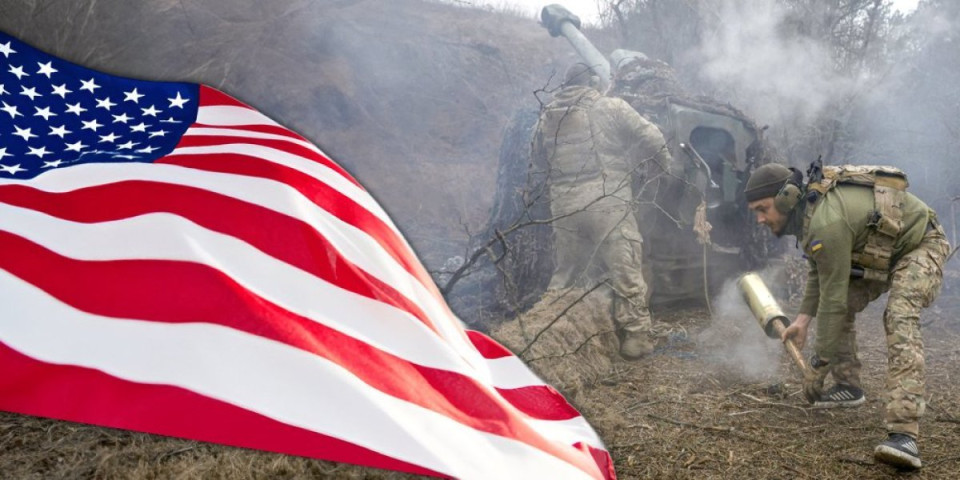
[
  {"x": 832, "y": 229},
  {"x": 597, "y": 149}
]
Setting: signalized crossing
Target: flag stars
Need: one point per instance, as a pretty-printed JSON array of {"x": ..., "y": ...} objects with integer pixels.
[
  {"x": 6, "y": 50},
  {"x": 91, "y": 125},
  {"x": 23, "y": 133},
  {"x": 148, "y": 150},
  {"x": 29, "y": 92},
  {"x": 74, "y": 147},
  {"x": 12, "y": 169},
  {"x": 141, "y": 127},
  {"x": 3, "y": 153},
  {"x": 90, "y": 85},
  {"x": 60, "y": 131},
  {"x": 46, "y": 69},
  {"x": 105, "y": 103},
  {"x": 39, "y": 152},
  {"x": 61, "y": 90},
  {"x": 3, "y": 91},
  {"x": 158, "y": 133},
  {"x": 178, "y": 102},
  {"x": 151, "y": 111},
  {"x": 75, "y": 108},
  {"x": 44, "y": 112},
  {"x": 122, "y": 118},
  {"x": 11, "y": 109},
  {"x": 132, "y": 96},
  {"x": 52, "y": 164},
  {"x": 18, "y": 71},
  {"x": 128, "y": 146},
  {"x": 111, "y": 138}
]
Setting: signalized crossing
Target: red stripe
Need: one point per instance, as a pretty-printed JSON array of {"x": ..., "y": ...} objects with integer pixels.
[
  {"x": 212, "y": 97},
  {"x": 282, "y": 145},
  {"x": 487, "y": 346},
  {"x": 270, "y": 129},
  {"x": 84, "y": 395},
  {"x": 321, "y": 194},
  {"x": 285, "y": 238},
  {"x": 181, "y": 292}
]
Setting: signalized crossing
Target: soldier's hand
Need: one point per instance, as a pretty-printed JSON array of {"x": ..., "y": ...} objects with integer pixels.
[{"x": 797, "y": 331}]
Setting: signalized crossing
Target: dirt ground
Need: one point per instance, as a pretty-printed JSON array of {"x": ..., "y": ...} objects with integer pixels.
[{"x": 716, "y": 400}]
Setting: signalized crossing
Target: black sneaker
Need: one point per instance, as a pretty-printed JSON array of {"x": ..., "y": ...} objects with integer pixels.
[
  {"x": 898, "y": 450},
  {"x": 841, "y": 395}
]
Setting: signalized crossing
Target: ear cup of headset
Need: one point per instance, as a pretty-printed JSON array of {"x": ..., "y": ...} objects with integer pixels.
[{"x": 787, "y": 198}]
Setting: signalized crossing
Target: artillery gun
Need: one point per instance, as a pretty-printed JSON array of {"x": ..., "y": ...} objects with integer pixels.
[{"x": 714, "y": 148}]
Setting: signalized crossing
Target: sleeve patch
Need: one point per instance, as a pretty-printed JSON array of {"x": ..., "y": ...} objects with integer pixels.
[{"x": 815, "y": 246}]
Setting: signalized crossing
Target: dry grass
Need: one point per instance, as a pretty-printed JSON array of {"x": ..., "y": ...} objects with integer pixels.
[{"x": 721, "y": 402}]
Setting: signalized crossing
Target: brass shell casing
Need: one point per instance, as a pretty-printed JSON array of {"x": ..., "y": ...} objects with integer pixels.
[{"x": 764, "y": 307}]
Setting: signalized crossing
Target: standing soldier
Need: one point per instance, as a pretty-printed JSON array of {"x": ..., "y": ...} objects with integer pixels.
[
  {"x": 598, "y": 150},
  {"x": 863, "y": 235}
]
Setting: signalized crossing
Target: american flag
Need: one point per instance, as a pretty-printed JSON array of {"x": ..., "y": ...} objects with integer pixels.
[{"x": 173, "y": 261}]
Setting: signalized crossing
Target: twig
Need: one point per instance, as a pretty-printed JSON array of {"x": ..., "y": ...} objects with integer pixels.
[{"x": 557, "y": 318}]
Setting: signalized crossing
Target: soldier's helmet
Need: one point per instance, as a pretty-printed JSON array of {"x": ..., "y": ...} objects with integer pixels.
[{"x": 581, "y": 74}]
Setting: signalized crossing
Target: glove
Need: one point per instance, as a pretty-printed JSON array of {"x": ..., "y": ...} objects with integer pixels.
[{"x": 813, "y": 378}]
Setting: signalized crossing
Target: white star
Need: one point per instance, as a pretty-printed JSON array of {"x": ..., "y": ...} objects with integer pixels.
[
  {"x": 170, "y": 120},
  {"x": 61, "y": 90},
  {"x": 148, "y": 149},
  {"x": 6, "y": 50},
  {"x": 152, "y": 111},
  {"x": 122, "y": 118},
  {"x": 76, "y": 108},
  {"x": 142, "y": 127},
  {"x": 128, "y": 157},
  {"x": 91, "y": 125},
  {"x": 11, "y": 109},
  {"x": 39, "y": 152},
  {"x": 132, "y": 96},
  {"x": 3, "y": 153},
  {"x": 158, "y": 133},
  {"x": 75, "y": 147},
  {"x": 3, "y": 91},
  {"x": 12, "y": 169},
  {"x": 178, "y": 102},
  {"x": 44, "y": 112},
  {"x": 89, "y": 85},
  {"x": 18, "y": 71},
  {"x": 60, "y": 131},
  {"x": 105, "y": 103},
  {"x": 53, "y": 164},
  {"x": 24, "y": 133},
  {"x": 127, "y": 146},
  {"x": 30, "y": 92},
  {"x": 46, "y": 69},
  {"x": 112, "y": 137}
]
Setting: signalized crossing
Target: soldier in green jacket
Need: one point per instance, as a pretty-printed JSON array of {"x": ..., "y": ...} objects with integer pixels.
[
  {"x": 601, "y": 157},
  {"x": 837, "y": 229}
]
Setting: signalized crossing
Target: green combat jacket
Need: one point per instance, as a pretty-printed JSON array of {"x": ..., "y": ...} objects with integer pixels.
[{"x": 838, "y": 228}]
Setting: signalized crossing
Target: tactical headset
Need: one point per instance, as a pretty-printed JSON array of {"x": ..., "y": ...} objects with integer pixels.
[{"x": 790, "y": 193}]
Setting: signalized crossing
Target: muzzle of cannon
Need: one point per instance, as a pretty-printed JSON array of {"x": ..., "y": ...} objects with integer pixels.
[{"x": 768, "y": 312}]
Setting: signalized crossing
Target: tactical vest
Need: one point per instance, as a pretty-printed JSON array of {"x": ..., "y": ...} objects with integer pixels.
[{"x": 889, "y": 185}]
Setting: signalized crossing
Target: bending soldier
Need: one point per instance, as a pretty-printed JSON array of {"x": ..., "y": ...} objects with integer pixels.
[
  {"x": 863, "y": 235},
  {"x": 599, "y": 150}
]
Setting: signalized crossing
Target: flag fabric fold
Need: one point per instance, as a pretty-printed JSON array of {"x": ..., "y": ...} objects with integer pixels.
[{"x": 172, "y": 261}]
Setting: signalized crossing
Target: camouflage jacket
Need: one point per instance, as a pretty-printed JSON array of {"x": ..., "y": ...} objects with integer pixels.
[{"x": 837, "y": 228}]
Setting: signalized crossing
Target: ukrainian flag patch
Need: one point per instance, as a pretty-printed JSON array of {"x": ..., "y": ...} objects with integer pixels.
[{"x": 815, "y": 246}]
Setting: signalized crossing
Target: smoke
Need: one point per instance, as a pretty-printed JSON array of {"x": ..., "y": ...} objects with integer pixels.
[
  {"x": 735, "y": 342},
  {"x": 755, "y": 57}
]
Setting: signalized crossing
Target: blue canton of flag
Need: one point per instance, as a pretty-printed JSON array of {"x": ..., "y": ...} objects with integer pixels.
[{"x": 54, "y": 114}]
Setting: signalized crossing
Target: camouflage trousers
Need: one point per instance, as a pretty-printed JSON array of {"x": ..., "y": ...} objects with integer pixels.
[
  {"x": 914, "y": 284},
  {"x": 602, "y": 244}
]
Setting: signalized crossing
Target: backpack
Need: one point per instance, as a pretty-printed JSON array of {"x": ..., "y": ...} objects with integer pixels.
[{"x": 889, "y": 185}]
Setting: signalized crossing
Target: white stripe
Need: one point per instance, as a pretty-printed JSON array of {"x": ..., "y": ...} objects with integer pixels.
[
  {"x": 231, "y": 116},
  {"x": 353, "y": 243},
  {"x": 264, "y": 377},
  {"x": 240, "y": 132},
  {"x": 309, "y": 167}
]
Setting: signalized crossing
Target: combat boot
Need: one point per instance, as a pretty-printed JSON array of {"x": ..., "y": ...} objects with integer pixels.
[{"x": 635, "y": 344}]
